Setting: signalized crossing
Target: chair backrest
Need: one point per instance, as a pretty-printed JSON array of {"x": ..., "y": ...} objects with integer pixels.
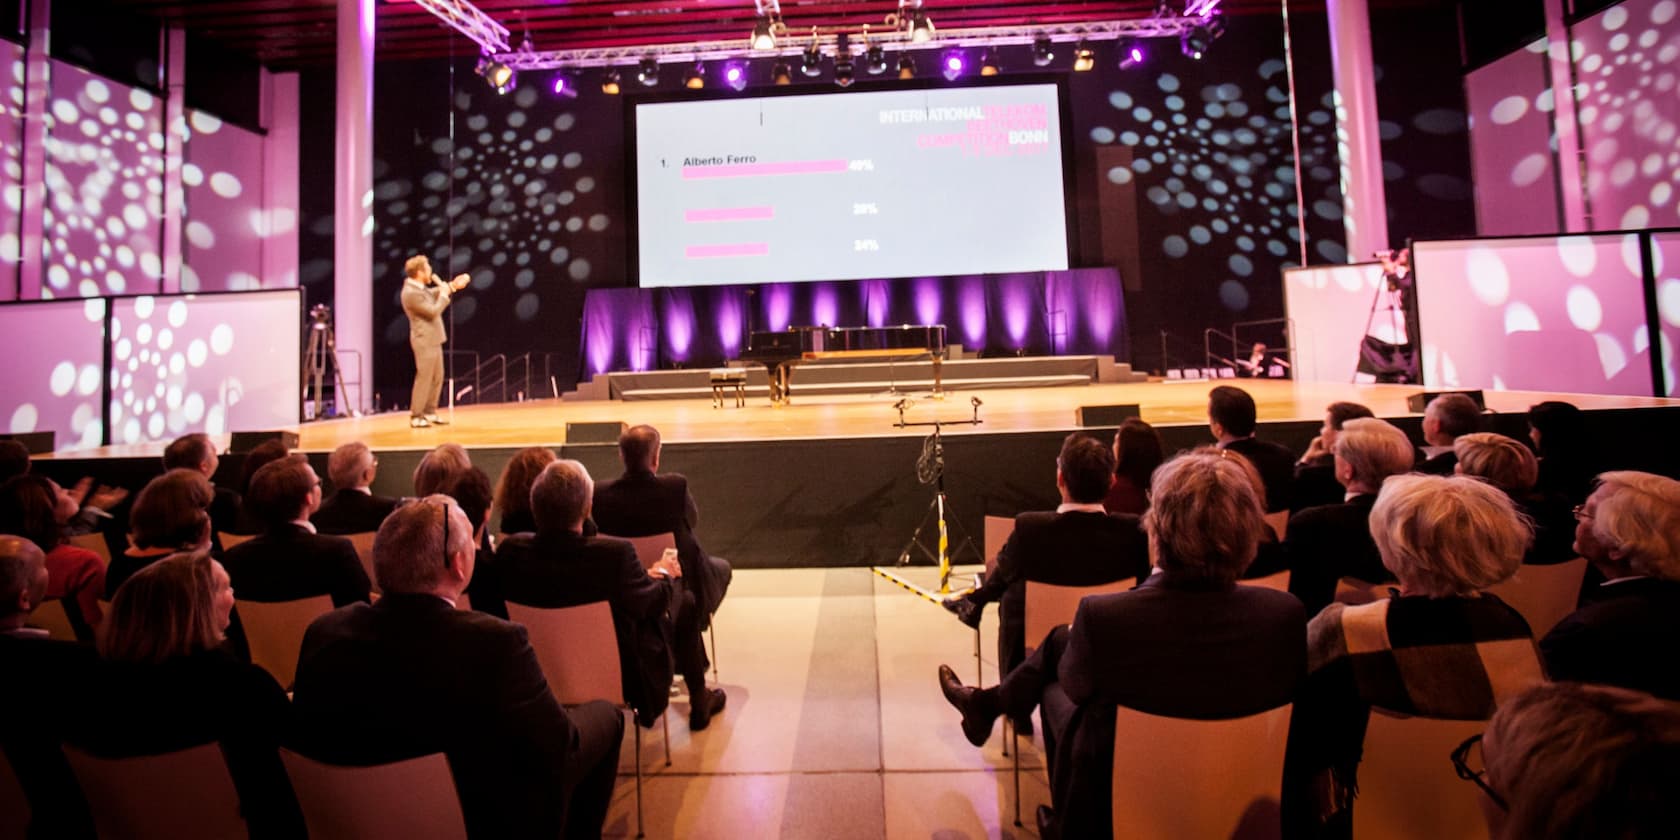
[
  {"x": 413, "y": 799},
  {"x": 364, "y": 552},
  {"x": 571, "y": 645},
  {"x": 230, "y": 540},
  {"x": 1279, "y": 520},
  {"x": 997, "y": 531},
  {"x": 52, "y": 617},
  {"x": 14, "y": 803},
  {"x": 1050, "y": 606},
  {"x": 1230, "y": 771},
  {"x": 275, "y": 632},
  {"x": 649, "y": 549},
  {"x": 1277, "y": 580},
  {"x": 179, "y": 794},
  {"x": 1543, "y": 594},
  {"x": 1353, "y": 591},
  {"x": 94, "y": 542},
  {"x": 1407, "y": 784}
]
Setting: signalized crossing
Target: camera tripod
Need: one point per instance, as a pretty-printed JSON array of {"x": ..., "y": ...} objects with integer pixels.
[{"x": 318, "y": 355}]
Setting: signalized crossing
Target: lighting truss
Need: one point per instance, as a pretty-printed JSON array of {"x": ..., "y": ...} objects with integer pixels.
[
  {"x": 1167, "y": 26},
  {"x": 469, "y": 20}
]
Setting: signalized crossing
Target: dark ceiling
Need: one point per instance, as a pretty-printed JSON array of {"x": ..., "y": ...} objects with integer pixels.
[{"x": 288, "y": 34}]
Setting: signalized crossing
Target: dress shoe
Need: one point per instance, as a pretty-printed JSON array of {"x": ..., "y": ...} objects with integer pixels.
[
  {"x": 978, "y": 708},
  {"x": 418, "y": 422},
  {"x": 965, "y": 609},
  {"x": 1046, "y": 820},
  {"x": 436, "y": 420},
  {"x": 701, "y": 709}
]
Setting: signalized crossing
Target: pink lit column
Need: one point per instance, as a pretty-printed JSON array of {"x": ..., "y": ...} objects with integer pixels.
[
  {"x": 33, "y": 183},
  {"x": 280, "y": 108},
  {"x": 1364, "y": 207},
  {"x": 353, "y": 198},
  {"x": 174, "y": 155},
  {"x": 1566, "y": 131}
]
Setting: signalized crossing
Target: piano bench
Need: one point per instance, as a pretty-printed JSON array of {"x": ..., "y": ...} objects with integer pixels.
[{"x": 723, "y": 378}]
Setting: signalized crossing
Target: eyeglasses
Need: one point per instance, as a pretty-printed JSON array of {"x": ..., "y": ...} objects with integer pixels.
[
  {"x": 445, "y": 506},
  {"x": 1461, "y": 763},
  {"x": 1580, "y": 512}
]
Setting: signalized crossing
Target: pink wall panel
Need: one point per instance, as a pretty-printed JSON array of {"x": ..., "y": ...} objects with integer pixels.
[
  {"x": 11, "y": 163},
  {"x": 1667, "y": 254},
  {"x": 51, "y": 381},
  {"x": 1328, "y": 307},
  {"x": 226, "y": 223},
  {"x": 1510, "y": 145},
  {"x": 1628, "y": 68}
]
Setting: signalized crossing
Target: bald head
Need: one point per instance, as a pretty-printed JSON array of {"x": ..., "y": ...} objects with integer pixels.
[
  {"x": 23, "y": 579},
  {"x": 639, "y": 447}
]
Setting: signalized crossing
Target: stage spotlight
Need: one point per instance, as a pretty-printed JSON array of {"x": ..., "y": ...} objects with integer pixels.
[
  {"x": 781, "y": 73},
  {"x": 921, "y": 27},
  {"x": 564, "y": 86},
  {"x": 1130, "y": 53},
  {"x": 1083, "y": 58},
  {"x": 735, "y": 75},
  {"x": 763, "y": 34},
  {"x": 843, "y": 67},
  {"x": 609, "y": 81},
  {"x": 1042, "y": 56},
  {"x": 906, "y": 67},
  {"x": 875, "y": 60},
  {"x": 647, "y": 72},
  {"x": 1194, "y": 44},
  {"x": 499, "y": 76},
  {"x": 952, "y": 64},
  {"x": 988, "y": 62},
  {"x": 696, "y": 78},
  {"x": 810, "y": 63}
]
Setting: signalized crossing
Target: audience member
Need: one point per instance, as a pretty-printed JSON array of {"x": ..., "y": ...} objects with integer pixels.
[
  {"x": 36, "y": 508},
  {"x": 1269, "y": 556},
  {"x": 413, "y": 675},
  {"x": 260, "y": 456},
  {"x": 197, "y": 452},
  {"x": 1330, "y": 542},
  {"x": 1568, "y": 462},
  {"x": 1231, "y": 418},
  {"x": 1565, "y": 761},
  {"x": 171, "y": 514},
  {"x": 1137, "y": 452},
  {"x": 1077, "y": 544},
  {"x": 1622, "y": 634},
  {"x": 46, "y": 689},
  {"x": 439, "y": 467},
  {"x": 288, "y": 560},
  {"x": 1439, "y": 647},
  {"x": 557, "y": 566},
  {"x": 173, "y": 685},
  {"x": 1445, "y": 419},
  {"x": 472, "y": 492},
  {"x": 1315, "y": 474},
  {"x": 90, "y": 512},
  {"x": 513, "y": 493},
  {"x": 352, "y": 508},
  {"x": 1189, "y": 642},
  {"x": 1507, "y": 464},
  {"x": 14, "y": 459}
]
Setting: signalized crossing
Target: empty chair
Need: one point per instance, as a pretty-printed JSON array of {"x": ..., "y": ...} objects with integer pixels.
[
  {"x": 413, "y": 799},
  {"x": 1178, "y": 778},
  {"x": 1353, "y": 591},
  {"x": 1278, "y": 581},
  {"x": 1407, "y": 785},
  {"x": 51, "y": 617},
  {"x": 180, "y": 794},
  {"x": 275, "y": 632},
  {"x": 364, "y": 552},
  {"x": 570, "y": 643},
  {"x": 997, "y": 531},
  {"x": 1543, "y": 594}
]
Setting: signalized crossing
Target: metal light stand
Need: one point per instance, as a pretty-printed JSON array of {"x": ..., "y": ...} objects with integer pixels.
[
  {"x": 318, "y": 355},
  {"x": 930, "y": 469}
]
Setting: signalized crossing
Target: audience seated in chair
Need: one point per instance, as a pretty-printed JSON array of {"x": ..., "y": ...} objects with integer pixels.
[
  {"x": 168, "y": 683},
  {"x": 197, "y": 452},
  {"x": 92, "y": 505},
  {"x": 260, "y": 456},
  {"x": 472, "y": 492},
  {"x": 557, "y": 566},
  {"x": 1446, "y": 419},
  {"x": 47, "y": 683},
  {"x": 1188, "y": 642},
  {"x": 439, "y": 467},
  {"x": 1232, "y": 417},
  {"x": 513, "y": 492},
  {"x": 170, "y": 514},
  {"x": 412, "y": 675},
  {"x": 1270, "y": 557},
  {"x": 1137, "y": 452},
  {"x": 1623, "y": 633},
  {"x": 1509, "y": 465},
  {"x": 352, "y": 508},
  {"x": 1330, "y": 542},
  {"x": 1315, "y": 474},
  {"x": 1439, "y": 647},
  {"x": 1567, "y": 760},
  {"x": 288, "y": 560},
  {"x": 36, "y": 508},
  {"x": 1568, "y": 457}
]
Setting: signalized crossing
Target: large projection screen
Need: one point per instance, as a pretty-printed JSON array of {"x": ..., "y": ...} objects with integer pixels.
[
  {"x": 855, "y": 185},
  {"x": 1329, "y": 307},
  {"x": 1550, "y": 313},
  {"x": 51, "y": 380}
]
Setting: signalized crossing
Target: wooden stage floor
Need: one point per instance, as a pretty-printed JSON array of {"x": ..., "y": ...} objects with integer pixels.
[{"x": 1163, "y": 403}]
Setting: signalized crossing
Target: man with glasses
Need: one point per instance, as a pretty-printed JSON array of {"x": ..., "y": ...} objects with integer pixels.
[
  {"x": 353, "y": 508},
  {"x": 289, "y": 560}
]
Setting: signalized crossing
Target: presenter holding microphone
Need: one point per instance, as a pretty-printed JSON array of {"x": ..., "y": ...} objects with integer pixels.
[{"x": 424, "y": 297}]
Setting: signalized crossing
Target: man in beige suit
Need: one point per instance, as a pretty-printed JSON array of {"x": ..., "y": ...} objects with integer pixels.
[{"x": 424, "y": 297}]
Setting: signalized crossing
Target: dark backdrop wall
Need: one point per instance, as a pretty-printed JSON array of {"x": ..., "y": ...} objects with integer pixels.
[{"x": 1183, "y": 179}]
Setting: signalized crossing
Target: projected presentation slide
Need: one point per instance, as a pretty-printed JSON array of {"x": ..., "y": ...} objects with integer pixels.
[
  {"x": 50, "y": 381},
  {"x": 847, "y": 186},
  {"x": 1540, "y": 314},
  {"x": 204, "y": 363},
  {"x": 1328, "y": 306}
]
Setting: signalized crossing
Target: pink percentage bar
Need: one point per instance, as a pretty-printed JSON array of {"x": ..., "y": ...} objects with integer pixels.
[
  {"x": 729, "y": 214},
  {"x": 737, "y": 249},
  {"x": 749, "y": 170}
]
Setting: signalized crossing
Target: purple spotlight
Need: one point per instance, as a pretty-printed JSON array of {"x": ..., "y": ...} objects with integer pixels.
[
  {"x": 735, "y": 75},
  {"x": 1131, "y": 54},
  {"x": 952, "y": 64},
  {"x": 778, "y": 305},
  {"x": 928, "y": 294},
  {"x": 564, "y": 86}
]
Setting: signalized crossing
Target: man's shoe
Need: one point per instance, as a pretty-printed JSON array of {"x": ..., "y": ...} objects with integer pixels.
[
  {"x": 965, "y": 609},
  {"x": 977, "y": 714},
  {"x": 1047, "y": 827},
  {"x": 436, "y": 420},
  {"x": 701, "y": 709},
  {"x": 418, "y": 422}
]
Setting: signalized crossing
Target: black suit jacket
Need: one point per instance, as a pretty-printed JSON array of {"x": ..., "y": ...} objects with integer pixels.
[
  {"x": 641, "y": 504},
  {"x": 1442, "y": 464},
  {"x": 1622, "y": 636},
  {"x": 412, "y": 675},
  {"x": 49, "y": 688},
  {"x": 1330, "y": 542},
  {"x": 1315, "y": 484},
  {"x": 1277, "y": 469},
  {"x": 549, "y": 570},
  {"x": 350, "y": 511},
  {"x": 287, "y": 562}
]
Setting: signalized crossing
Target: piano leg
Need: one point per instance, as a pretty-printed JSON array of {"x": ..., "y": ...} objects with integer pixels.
[{"x": 938, "y": 382}]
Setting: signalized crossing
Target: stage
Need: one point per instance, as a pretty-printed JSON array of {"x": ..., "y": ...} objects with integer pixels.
[{"x": 833, "y": 481}]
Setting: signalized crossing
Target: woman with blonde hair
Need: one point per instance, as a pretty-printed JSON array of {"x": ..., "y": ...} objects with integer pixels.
[
  {"x": 171, "y": 514},
  {"x": 513, "y": 492},
  {"x": 1508, "y": 465}
]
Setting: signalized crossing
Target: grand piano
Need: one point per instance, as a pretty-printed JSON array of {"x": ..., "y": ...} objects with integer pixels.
[{"x": 781, "y": 350}]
